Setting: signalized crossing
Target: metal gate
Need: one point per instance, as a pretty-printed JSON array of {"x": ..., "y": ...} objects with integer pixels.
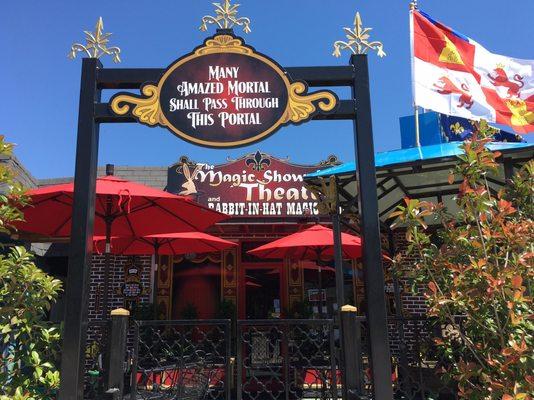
[
  {"x": 276, "y": 360},
  {"x": 286, "y": 359},
  {"x": 181, "y": 359}
]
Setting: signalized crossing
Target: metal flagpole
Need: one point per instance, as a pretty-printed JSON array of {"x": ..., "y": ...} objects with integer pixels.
[
  {"x": 416, "y": 117},
  {"x": 413, "y": 6}
]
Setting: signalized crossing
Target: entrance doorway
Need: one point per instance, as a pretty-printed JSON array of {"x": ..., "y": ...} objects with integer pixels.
[{"x": 262, "y": 291}]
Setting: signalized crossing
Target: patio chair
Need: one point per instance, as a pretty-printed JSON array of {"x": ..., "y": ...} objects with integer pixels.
[{"x": 188, "y": 380}]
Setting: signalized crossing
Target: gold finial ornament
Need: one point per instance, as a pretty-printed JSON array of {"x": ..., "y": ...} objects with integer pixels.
[
  {"x": 358, "y": 40},
  {"x": 326, "y": 194},
  {"x": 225, "y": 17},
  {"x": 413, "y": 5},
  {"x": 96, "y": 44}
]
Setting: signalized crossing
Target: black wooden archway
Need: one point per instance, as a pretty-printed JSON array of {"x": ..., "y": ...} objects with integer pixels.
[{"x": 92, "y": 112}]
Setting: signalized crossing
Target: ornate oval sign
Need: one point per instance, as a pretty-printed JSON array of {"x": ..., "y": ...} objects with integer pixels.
[
  {"x": 227, "y": 98},
  {"x": 224, "y": 94}
]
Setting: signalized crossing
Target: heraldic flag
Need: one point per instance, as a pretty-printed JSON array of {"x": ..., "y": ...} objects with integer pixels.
[{"x": 454, "y": 75}]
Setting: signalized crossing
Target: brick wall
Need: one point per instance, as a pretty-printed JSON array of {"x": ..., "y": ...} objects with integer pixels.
[
  {"x": 413, "y": 304},
  {"x": 97, "y": 331},
  {"x": 116, "y": 300}
]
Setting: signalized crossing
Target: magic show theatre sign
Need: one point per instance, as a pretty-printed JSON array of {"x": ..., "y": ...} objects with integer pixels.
[
  {"x": 224, "y": 94},
  {"x": 255, "y": 185}
]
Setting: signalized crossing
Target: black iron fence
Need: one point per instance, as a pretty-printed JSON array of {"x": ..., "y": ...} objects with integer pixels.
[
  {"x": 181, "y": 360},
  {"x": 276, "y": 359},
  {"x": 418, "y": 364},
  {"x": 286, "y": 359}
]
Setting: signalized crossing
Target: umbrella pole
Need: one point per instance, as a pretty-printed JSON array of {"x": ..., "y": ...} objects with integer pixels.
[
  {"x": 338, "y": 259},
  {"x": 155, "y": 283},
  {"x": 320, "y": 283},
  {"x": 107, "y": 256},
  {"x": 107, "y": 262}
]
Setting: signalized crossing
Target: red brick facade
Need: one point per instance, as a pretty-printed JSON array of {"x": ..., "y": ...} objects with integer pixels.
[
  {"x": 116, "y": 300},
  {"x": 412, "y": 304}
]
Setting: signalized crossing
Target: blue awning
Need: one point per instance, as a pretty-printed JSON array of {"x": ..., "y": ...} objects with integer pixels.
[{"x": 415, "y": 154}]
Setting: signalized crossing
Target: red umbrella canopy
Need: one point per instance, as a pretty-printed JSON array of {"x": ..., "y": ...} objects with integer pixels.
[
  {"x": 310, "y": 244},
  {"x": 167, "y": 244},
  {"x": 134, "y": 209}
]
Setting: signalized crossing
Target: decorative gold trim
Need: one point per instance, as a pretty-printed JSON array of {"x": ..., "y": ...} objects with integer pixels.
[
  {"x": 223, "y": 44},
  {"x": 301, "y": 107},
  {"x": 96, "y": 44},
  {"x": 225, "y": 17},
  {"x": 357, "y": 40},
  {"x": 146, "y": 110}
]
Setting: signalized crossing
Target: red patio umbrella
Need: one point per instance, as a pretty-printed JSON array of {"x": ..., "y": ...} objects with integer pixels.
[
  {"x": 166, "y": 244},
  {"x": 122, "y": 208},
  {"x": 314, "y": 243},
  {"x": 176, "y": 243}
]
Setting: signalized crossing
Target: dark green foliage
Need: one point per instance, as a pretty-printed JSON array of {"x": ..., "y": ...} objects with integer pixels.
[{"x": 29, "y": 344}]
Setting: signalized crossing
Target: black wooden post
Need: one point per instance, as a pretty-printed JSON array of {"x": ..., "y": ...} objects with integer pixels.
[
  {"x": 338, "y": 259},
  {"x": 81, "y": 244},
  {"x": 352, "y": 371},
  {"x": 116, "y": 352},
  {"x": 370, "y": 233}
]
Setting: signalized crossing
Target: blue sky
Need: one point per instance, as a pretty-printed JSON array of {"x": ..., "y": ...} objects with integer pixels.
[{"x": 39, "y": 95}]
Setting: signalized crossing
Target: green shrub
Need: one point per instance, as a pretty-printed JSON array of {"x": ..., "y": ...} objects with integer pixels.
[
  {"x": 28, "y": 344},
  {"x": 479, "y": 264},
  {"x": 189, "y": 311}
]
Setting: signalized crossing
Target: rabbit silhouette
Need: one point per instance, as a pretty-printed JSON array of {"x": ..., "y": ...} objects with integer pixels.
[{"x": 189, "y": 185}]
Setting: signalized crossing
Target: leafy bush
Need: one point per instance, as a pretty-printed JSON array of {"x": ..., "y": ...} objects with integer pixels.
[
  {"x": 302, "y": 309},
  {"x": 144, "y": 311},
  {"x": 189, "y": 311},
  {"x": 479, "y": 264},
  {"x": 28, "y": 342},
  {"x": 226, "y": 310}
]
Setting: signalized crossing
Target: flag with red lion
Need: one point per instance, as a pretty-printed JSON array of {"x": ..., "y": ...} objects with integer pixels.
[{"x": 454, "y": 75}]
